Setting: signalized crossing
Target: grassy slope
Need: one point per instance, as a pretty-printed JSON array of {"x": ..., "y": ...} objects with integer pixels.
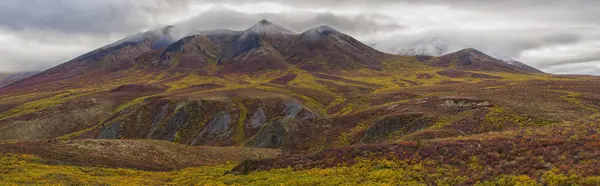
[{"x": 135, "y": 154}]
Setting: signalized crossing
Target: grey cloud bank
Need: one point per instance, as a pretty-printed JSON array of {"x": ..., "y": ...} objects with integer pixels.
[{"x": 553, "y": 35}]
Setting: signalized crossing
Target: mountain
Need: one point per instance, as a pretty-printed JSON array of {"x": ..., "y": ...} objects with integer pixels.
[
  {"x": 116, "y": 56},
  {"x": 7, "y": 79},
  {"x": 255, "y": 49},
  {"x": 262, "y": 47},
  {"x": 439, "y": 46},
  {"x": 325, "y": 49},
  {"x": 473, "y": 59}
]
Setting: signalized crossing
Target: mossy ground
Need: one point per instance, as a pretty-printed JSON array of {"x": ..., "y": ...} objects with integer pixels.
[{"x": 29, "y": 170}]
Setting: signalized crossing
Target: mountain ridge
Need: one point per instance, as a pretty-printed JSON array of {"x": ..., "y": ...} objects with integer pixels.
[{"x": 436, "y": 46}]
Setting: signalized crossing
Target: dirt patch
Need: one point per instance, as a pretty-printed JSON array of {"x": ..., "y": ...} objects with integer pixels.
[
  {"x": 139, "y": 88},
  {"x": 336, "y": 78},
  {"x": 199, "y": 88},
  {"x": 449, "y": 82},
  {"x": 463, "y": 74},
  {"x": 424, "y": 76},
  {"x": 283, "y": 80}
]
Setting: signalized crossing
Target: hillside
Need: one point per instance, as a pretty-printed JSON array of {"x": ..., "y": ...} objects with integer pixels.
[
  {"x": 323, "y": 98},
  {"x": 9, "y": 78}
]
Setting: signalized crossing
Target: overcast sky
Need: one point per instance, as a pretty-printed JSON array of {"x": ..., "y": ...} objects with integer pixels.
[{"x": 557, "y": 36}]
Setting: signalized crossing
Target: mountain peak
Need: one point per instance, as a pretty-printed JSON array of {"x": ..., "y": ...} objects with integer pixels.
[
  {"x": 265, "y": 27},
  {"x": 323, "y": 30},
  {"x": 162, "y": 36},
  {"x": 265, "y": 22},
  {"x": 471, "y": 51},
  {"x": 318, "y": 32},
  {"x": 468, "y": 50},
  {"x": 473, "y": 59}
]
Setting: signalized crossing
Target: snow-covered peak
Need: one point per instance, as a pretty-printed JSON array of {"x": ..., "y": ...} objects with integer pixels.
[
  {"x": 265, "y": 27},
  {"x": 513, "y": 62},
  {"x": 318, "y": 32}
]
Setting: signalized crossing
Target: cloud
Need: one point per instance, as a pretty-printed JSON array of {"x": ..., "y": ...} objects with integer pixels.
[
  {"x": 30, "y": 51},
  {"x": 502, "y": 42},
  {"x": 584, "y": 51},
  {"x": 84, "y": 16},
  {"x": 592, "y": 68},
  {"x": 296, "y": 21}
]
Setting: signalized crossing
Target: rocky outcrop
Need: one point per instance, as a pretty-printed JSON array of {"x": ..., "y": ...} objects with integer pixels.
[
  {"x": 291, "y": 109},
  {"x": 218, "y": 128},
  {"x": 170, "y": 128},
  {"x": 259, "y": 118},
  {"x": 276, "y": 134},
  {"x": 110, "y": 131},
  {"x": 214, "y": 122}
]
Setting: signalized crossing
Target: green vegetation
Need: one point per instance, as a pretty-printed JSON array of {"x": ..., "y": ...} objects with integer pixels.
[
  {"x": 40, "y": 104},
  {"x": 499, "y": 118},
  {"x": 28, "y": 169},
  {"x": 241, "y": 124}
]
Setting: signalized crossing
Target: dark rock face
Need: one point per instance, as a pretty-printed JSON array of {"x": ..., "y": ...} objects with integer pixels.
[
  {"x": 306, "y": 114},
  {"x": 464, "y": 59},
  {"x": 395, "y": 125},
  {"x": 259, "y": 118},
  {"x": 275, "y": 135},
  {"x": 219, "y": 127},
  {"x": 170, "y": 128},
  {"x": 219, "y": 124},
  {"x": 292, "y": 109},
  {"x": 242, "y": 44},
  {"x": 175, "y": 47},
  {"x": 111, "y": 131},
  {"x": 160, "y": 116}
]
